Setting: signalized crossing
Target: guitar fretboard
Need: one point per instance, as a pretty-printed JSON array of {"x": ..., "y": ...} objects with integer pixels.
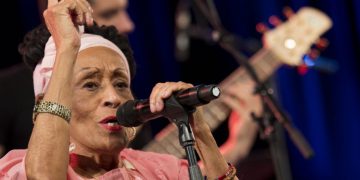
[{"x": 216, "y": 112}]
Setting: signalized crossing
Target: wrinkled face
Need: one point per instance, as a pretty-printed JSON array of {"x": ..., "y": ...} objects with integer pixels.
[
  {"x": 100, "y": 86},
  {"x": 113, "y": 12}
]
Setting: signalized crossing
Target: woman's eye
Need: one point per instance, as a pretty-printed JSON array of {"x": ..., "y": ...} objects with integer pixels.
[
  {"x": 91, "y": 86},
  {"x": 121, "y": 85}
]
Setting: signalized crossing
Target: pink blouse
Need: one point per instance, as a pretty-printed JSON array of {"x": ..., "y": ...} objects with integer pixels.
[{"x": 141, "y": 165}]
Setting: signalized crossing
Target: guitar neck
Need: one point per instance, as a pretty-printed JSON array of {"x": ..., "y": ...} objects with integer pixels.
[{"x": 264, "y": 64}]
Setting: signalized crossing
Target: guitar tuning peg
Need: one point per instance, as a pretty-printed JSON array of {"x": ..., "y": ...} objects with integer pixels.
[
  {"x": 322, "y": 43},
  {"x": 274, "y": 20},
  {"x": 314, "y": 54},
  {"x": 261, "y": 28},
  {"x": 308, "y": 61},
  {"x": 302, "y": 69},
  {"x": 288, "y": 12}
]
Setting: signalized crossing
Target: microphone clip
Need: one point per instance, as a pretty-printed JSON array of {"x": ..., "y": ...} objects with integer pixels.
[{"x": 176, "y": 112}]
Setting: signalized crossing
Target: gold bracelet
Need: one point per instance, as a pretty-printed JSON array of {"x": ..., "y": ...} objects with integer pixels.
[{"x": 52, "y": 108}]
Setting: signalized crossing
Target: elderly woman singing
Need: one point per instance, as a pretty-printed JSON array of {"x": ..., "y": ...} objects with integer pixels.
[{"x": 80, "y": 81}]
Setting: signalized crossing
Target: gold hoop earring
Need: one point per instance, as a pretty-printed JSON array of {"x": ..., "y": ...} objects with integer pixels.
[{"x": 133, "y": 134}]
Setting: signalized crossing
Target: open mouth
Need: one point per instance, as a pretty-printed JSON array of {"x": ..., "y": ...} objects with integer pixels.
[{"x": 110, "y": 123}]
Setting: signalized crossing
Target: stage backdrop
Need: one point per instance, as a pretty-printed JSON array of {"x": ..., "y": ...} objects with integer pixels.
[{"x": 323, "y": 106}]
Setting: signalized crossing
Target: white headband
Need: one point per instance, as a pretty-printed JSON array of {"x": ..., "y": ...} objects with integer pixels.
[{"x": 43, "y": 70}]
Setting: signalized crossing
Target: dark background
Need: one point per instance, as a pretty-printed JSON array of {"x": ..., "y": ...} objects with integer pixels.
[{"x": 323, "y": 106}]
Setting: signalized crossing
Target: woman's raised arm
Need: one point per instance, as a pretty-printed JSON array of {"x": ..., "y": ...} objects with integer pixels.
[{"x": 48, "y": 156}]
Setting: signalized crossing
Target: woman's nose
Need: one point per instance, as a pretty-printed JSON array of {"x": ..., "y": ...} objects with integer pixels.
[
  {"x": 124, "y": 24},
  {"x": 111, "y": 98}
]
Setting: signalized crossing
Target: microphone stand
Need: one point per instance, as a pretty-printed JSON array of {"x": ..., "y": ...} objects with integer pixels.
[
  {"x": 265, "y": 92},
  {"x": 179, "y": 115}
]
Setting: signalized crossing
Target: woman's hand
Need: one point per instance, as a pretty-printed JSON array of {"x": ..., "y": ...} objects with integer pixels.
[
  {"x": 163, "y": 91},
  {"x": 62, "y": 19}
]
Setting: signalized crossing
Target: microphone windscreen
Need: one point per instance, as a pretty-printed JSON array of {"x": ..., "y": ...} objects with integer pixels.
[{"x": 127, "y": 115}]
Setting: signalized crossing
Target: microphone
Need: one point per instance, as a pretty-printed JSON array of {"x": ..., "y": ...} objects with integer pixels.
[{"x": 136, "y": 112}]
